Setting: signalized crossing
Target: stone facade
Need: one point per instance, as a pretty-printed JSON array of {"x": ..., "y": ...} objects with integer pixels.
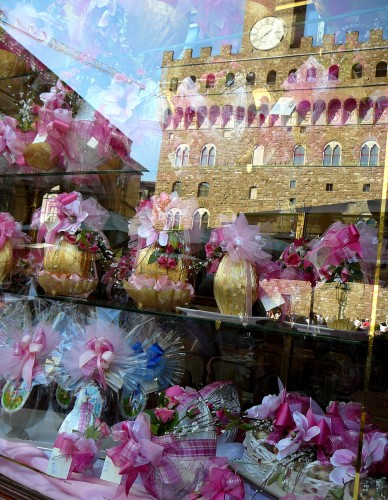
[{"x": 350, "y": 110}]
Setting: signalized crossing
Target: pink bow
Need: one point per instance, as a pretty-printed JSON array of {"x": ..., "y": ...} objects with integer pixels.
[
  {"x": 136, "y": 450},
  {"x": 10, "y": 139},
  {"x": 99, "y": 356},
  {"x": 27, "y": 350},
  {"x": 7, "y": 227},
  {"x": 82, "y": 451},
  {"x": 56, "y": 124},
  {"x": 284, "y": 416},
  {"x": 222, "y": 482}
]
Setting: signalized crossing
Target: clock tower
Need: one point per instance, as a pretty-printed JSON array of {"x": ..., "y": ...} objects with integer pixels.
[{"x": 271, "y": 27}]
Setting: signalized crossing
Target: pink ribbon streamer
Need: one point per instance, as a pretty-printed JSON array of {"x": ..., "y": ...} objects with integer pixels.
[
  {"x": 27, "y": 350},
  {"x": 82, "y": 451},
  {"x": 99, "y": 355}
]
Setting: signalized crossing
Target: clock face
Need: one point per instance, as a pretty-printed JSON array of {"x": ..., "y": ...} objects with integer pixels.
[{"x": 267, "y": 33}]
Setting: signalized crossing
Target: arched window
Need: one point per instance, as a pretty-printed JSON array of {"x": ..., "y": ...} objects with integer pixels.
[
  {"x": 201, "y": 115},
  {"x": 208, "y": 155},
  {"x": 174, "y": 218},
  {"x": 214, "y": 113},
  {"x": 299, "y": 155},
  {"x": 304, "y": 112},
  {"x": 311, "y": 75},
  {"x": 350, "y": 111},
  {"x": 182, "y": 155},
  {"x": 210, "y": 81},
  {"x": 229, "y": 81},
  {"x": 251, "y": 78},
  {"x": 381, "y": 69},
  {"x": 258, "y": 155},
  {"x": 381, "y": 110},
  {"x": 189, "y": 116},
  {"x": 177, "y": 187},
  {"x": 334, "y": 112},
  {"x": 173, "y": 84},
  {"x": 333, "y": 72},
  {"x": 201, "y": 219},
  {"x": 319, "y": 108},
  {"x": 252, "y": 112},
  {"x": 271, "y": 77},
  {"x": 240, "y": 114},
  {"x": 332, "y": 155},
  {"x": 356, "y": 71},
  {"x": 253, "y": 193},
  {"x": 227, "y": 113},
  {"x": 366, "y": 110},
  {"x": 369, "y": 156},
  {"x": 178, "y": 115},
  {"x": 292, "y": 76},
  {"x": 203, "y": 190}
]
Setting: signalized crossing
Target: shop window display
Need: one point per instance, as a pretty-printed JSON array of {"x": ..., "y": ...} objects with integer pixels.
[{"x": 193, "y": 248}]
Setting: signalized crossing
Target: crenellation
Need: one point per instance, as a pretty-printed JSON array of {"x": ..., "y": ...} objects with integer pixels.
[
  {"x": 328, "y": 42},
  {"x": 226, "y": 51}
]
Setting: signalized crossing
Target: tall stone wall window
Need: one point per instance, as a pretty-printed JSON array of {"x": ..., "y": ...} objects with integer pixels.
[
  {"x": 271, "y": 77},
  {"x": 201, "y": 219},
  {"x": 253, "y": 193},
  {"x": 292, "y": 76},
  {"x": 182, "y": 156},
  {"x": 210, "y": 81},
  {"x": 332, "y": 155},
  {"x": 311, "y": 75},
  {"x": 203, "y": 190},
  {"x": 381, "y": 69},
  {"x": 174, "y": 84},
  {"x": 229, "y": 80},
  {"x": 356, "y": 71},
  {"x": 251, "y": 78},
  {"x": 177, "y": 187},
  {"x": 299, "y": 155},
  {"x": 258, "y": 155},
  {"x": 333, "y": 73},
  {"x": 208, "y": 155},
  {"x": 369, "y": 156}
]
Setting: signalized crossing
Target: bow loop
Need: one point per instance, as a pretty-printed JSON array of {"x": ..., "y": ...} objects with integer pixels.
[{"x": 99, "y": 355}]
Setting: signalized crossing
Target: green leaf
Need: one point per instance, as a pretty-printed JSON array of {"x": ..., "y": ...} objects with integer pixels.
[
  {"x": 154, "y": 420},
  {"x": 173, "y": 240},
  {"x": 154, "y": 429},
  {"x": 275, "y": 476},
  {"x": 154, "y": 257},
  {"x": 338, "y": 493}
]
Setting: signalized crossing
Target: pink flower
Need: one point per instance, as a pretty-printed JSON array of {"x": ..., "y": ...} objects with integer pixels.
[
  {"x": 164, "y": 414},
  {"x": 162, "y": 261},
  {"x": 119, "y": 101},
  {"x": 169, "y": 249},
  {"x": 171, "y": 263},
  {"x": 209, "y": 249},
  {"x": 174, "y": 392},
  {"x": 93, "y": 248},
  {"x": 267, "y": 408},
  {"x": 292, "y": 259},
  {"x": 71, "y": 238},
  {"x": 301, "y": 435},
  {"x": 104, "y": 429},
  {"x": 72, "y": 216},
  {"x": 344, "y": 274}
]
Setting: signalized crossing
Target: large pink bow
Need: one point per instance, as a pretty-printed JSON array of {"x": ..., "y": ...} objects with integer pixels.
[
  {"x": 222, "y": 482},
  {"x": 99, "y": 356},
  {"x": 136, "y": 450},
  {"x": 27, "y": 351},
  {"x": 10, "y": 139},
  {"x": 56, "y": 124}
]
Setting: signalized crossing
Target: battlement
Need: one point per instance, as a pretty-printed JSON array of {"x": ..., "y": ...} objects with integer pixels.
[{"x": 306, "y": 45}]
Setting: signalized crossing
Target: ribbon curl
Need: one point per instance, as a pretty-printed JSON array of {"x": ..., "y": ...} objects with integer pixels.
[
  {"x": 99, "y": 355},
  {"x": 222, "y": 482},
  {"x": 27, "y": 351}
]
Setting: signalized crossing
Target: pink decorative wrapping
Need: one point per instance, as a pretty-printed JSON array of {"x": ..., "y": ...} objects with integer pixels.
[
  {"x": 25, "y": 359},
  {"x": 139, "y": 281},
  {"x": 10, "y": 229},
  {"x": 83, "y": 452},
  {"x": 99, "y": 355}
]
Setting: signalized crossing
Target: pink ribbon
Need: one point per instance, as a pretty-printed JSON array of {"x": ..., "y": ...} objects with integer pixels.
[
  {"x": 56, "y": 124},
  {"x": 99, "y": 356},
  {"x": 82, "y": 451},
  {"x": 136, "y": 450},
  {"x": 27, "y": 350},
  {"x": 284, "y": 417},
  {"x": 11, "y": 139},
  {"x": 222, "y": 482}
]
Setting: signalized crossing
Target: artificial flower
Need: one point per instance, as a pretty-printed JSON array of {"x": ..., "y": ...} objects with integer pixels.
[
  {"x": 119, "y": 101},
  {"x": 300, "y": 436}
]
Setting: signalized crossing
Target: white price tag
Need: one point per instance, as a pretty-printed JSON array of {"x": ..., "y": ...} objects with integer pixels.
[
  {"x": 39, "y": 138},
  {"x": 92, "y": 143},
  {"x": 59, "y": 465},
  {"x": 110, "y": 472}
]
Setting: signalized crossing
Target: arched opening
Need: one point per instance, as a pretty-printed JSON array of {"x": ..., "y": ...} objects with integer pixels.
[
  {"x": 178, "y": 115},
  {"x": 258, "y": 155},
  {"x": 229, "y": 80},
  {"x": 319, "y": 108},
  {"x": 253, "y": 193},
  {"x": 210, "y": 81},
  {"x": 381, "y": 69},
  {"x": 214, "y": 113},
  {"x": 182, "y": 156},
  {"x": 366, "y": 110},
  {"x": 332, "y": 155},
  {"x": 251, "y": 78},
  {"x": 292, "y": 76},
  {"x": 369, "y": 156},
  {"x": 350, "y": 111},
  {"x": 304, "y": 112},
  {"x": 334, "y": 112},
  {"x": 252, "y": 112},
  {"x": 311, "y": 75},
  {"x": 271, "y": 77},
  {"x": 201, "y": 116},
  {"x": 177, "y": 187},
  {"x": 174, "y": 84},
  {"x": 356, "y": 71},
  {"x": 333, "y": 73},
  {"x": 208, "y": 155},
  {"x": 203, "y": 190},
  {"x": 299, "y": 155},
  {"x": 227, "y": 113}
]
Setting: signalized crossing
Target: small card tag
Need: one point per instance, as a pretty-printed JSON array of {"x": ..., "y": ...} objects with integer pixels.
[
  {"x": 39, "y": 138},
  {"x": 92, "y": 143},
  {"x": 110, "y": 472},
  {"x": 148, "y": 387},
  {"x": 59, "y": 465}
]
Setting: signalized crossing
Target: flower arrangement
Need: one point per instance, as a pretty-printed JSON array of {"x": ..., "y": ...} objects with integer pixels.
[{"x": 291, "y": 439}]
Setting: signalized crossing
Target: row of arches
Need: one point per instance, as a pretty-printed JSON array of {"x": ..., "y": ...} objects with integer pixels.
[
  {"x": 199, "y": 220},
  {"x": 319, "y": 112},
  {"x": 331, "y": 155},
  {"x": 311, "y": 75}
]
